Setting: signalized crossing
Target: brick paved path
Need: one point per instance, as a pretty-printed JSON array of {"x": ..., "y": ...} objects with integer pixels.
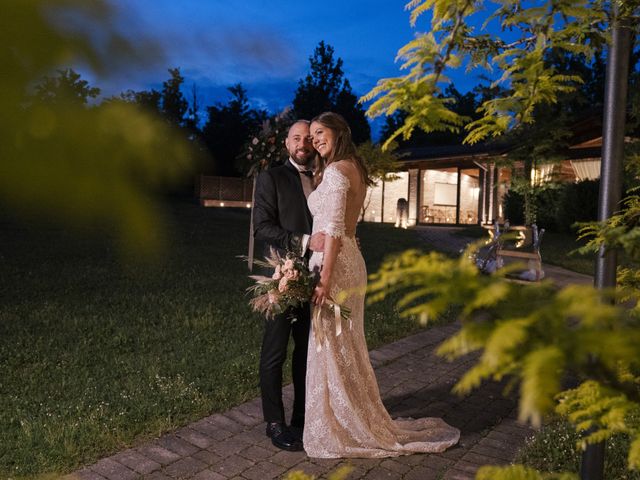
[{"x": 413, "y": 381}]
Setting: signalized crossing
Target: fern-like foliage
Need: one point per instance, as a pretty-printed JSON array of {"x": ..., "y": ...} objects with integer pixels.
[
  {"x": 518, "y": 472},
  {"x": 599, "y": 412},
  {"x": 341, "y": 473},
  {"x": 535, "y": 334},
  {"x": 578, "y": 27},
  {"x": 620, "y": 232}
]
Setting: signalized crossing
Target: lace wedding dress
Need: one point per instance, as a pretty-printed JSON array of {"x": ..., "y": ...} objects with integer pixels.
[{"x": 344, "y": 414}]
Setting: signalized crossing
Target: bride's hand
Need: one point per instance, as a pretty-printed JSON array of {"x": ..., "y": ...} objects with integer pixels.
[{"x": 320, "y": 294}]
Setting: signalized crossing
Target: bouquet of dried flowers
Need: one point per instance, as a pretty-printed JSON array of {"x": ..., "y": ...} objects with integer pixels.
[{"x": 290, "y": 285}]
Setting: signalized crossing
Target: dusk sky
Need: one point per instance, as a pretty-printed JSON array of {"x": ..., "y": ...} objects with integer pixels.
[{"x": 266, "y": 44}]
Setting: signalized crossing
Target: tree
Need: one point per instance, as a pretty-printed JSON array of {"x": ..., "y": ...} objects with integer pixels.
[
  {"x": 227, "y": 129},
  {"x": 174, "y": 105},
  {"x": 325, "y": 89},
  {"x": 66, "y": 87},
  {"x": 319, "y": 90},
  {"x": 381, "y": 165},
  {"x": 347, "y": 105},
  {"x": 192, "y": 122},
  {"x": 535, "y": 334},
  {"x": 149, "y": 100},
  {"x": 170, "y": 102}
]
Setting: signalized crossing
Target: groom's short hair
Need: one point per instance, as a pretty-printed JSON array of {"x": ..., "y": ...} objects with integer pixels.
[{"x": 302, "y": 120}]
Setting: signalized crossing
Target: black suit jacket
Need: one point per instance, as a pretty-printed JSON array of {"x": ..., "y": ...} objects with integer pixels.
[{"x": 280, "y": 213}]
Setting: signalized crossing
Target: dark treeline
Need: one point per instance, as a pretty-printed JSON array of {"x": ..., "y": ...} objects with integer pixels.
[
  {"x": 226, "y": 127},
  {"x": 221, "y": 135}
]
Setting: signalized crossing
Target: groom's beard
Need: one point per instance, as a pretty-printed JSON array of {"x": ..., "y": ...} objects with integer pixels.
[{"x": 302, "y": 157}]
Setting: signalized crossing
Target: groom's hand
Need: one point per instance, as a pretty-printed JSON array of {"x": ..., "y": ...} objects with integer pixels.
[{"x": 316, "y": 242}]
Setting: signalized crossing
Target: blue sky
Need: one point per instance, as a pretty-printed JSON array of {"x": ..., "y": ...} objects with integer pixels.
[{"x": 265, "y": 44}]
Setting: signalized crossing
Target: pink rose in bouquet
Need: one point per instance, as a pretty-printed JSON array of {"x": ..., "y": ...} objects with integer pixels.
[
  {"x": 290, "y": 285},
  {"x": 282, "y": 284},
  {"x": 277, "y": 274}
]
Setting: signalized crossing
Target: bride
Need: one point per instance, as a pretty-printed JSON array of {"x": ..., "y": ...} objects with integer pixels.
[{"x": 345, "y": 416}]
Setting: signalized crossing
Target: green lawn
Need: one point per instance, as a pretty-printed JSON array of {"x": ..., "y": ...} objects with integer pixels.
[{"x": 97, "y": 354}]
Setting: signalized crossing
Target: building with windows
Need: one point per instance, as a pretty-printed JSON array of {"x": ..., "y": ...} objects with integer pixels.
[
  {"x": 442, "y": 185},
  {"x": 462, "y": 185}
]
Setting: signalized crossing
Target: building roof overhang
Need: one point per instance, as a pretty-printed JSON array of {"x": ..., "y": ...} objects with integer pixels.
[
  {"x": 586, "y": 143},
  {"x": 450, "y": 155}
]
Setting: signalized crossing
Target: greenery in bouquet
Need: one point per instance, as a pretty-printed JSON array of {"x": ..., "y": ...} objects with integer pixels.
[
  {"x": 267, "y": 147},
  {"x": 290, "y": 285}
]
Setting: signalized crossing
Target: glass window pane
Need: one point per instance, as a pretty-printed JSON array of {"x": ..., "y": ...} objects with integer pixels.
[{"x": 469, "y": 195}]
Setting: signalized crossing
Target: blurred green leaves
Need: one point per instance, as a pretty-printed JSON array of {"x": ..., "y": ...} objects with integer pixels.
[
  {"x": 81, "y": 165},
  {"x": 537, "y": 336},
  {"x": 533, "y": 333}
]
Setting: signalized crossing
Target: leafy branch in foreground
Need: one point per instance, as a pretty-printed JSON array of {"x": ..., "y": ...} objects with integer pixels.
[
  {"x": 620, "y": 232},
  {"x": 518, "y": 53},
  {"x": 518, "y": 472},
  {"x": 533, "y": 335},
  {"x": 75, "y": 163},
  {"x": 341, "y": 473}
]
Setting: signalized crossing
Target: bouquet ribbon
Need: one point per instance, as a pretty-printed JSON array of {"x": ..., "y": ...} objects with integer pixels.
[{"x": 318, "y": 329}]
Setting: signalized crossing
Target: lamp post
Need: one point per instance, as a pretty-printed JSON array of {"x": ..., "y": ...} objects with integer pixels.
[{"x": 615, "y": 110}]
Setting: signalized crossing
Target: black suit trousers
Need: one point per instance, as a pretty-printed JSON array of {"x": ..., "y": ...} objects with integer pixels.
[{"x": 272, "y": 358}]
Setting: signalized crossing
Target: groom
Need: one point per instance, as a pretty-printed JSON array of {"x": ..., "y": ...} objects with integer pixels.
[{"x": 282, "y": 220}]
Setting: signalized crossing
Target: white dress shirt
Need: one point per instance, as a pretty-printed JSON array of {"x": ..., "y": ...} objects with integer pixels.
[{"x": 307, "y": 187}]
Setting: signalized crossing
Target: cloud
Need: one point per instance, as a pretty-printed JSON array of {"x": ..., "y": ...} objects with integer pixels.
[
  {"x": 230, "y": 55},
  {"x": 192, "y": 39}
]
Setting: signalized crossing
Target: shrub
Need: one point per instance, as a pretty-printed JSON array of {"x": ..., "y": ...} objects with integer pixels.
[
  {"x": 547, "y": 203},
  {"x": 556, "y": 207},
  {"x": 578, "y": 203},
  {"x": 514, "y": 207},
  {"x": 544, "y": 204}
]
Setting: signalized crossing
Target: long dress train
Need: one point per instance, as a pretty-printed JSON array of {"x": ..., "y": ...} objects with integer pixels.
[{"x": 344, "y": 414}]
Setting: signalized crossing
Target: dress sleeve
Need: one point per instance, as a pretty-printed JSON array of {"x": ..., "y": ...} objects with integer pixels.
[{"x": 335, "y": 197}]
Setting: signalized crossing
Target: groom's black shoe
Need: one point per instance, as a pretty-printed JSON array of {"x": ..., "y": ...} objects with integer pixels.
[
  {"x": 281, "y": 437},
  {"x": 296, "y": 432}
]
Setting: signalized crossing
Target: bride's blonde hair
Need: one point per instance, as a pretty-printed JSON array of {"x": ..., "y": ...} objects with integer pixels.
[{"x": 343, "y": 149}]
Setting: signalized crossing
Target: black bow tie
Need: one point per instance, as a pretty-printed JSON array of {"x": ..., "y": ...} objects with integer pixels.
[{"x": 308, "y": 173}]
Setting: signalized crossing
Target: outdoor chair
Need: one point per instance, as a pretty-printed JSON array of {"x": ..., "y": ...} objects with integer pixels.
[{"x": 525, "y": 247}]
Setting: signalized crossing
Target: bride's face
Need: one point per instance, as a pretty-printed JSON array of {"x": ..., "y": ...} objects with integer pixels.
[{"x": 323, "y": 139}]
